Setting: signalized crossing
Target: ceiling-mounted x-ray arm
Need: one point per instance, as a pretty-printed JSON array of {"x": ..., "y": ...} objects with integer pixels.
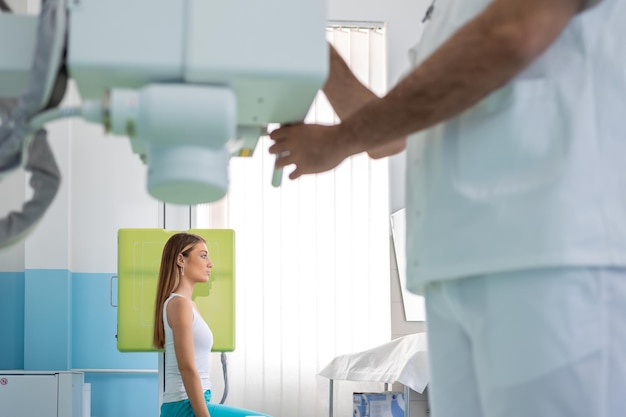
[
  {"x": 23, "y": 145},
  {"x": 189, "y": 82}
]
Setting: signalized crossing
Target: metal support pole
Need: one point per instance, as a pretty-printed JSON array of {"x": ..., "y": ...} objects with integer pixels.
[
  {"x": 407, "y": 401},
  {"x": 330, "y": 400}
]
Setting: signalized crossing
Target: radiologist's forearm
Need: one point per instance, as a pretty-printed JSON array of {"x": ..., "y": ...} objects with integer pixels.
[
  {"x": 344, "y": 91},
  {"x": 347, "y": 95},
  {"x": 483, "y": 55}
]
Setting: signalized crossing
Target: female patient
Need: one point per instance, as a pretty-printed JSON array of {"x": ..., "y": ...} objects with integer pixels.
[{"x": 179, "y": 328}]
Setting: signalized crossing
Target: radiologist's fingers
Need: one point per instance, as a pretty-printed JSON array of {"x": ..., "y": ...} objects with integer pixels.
[
  {"x": 282, "y": 160},
  {"x": 280, "y": 137},
  {"x": 283, "y": 154},
  {"x": 277, "y": 148},
  {"x": 295, "y": 174},
  {"x": 281, "y": 133}
]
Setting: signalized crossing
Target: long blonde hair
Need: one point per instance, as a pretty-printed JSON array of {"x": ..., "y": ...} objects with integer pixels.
[{"x": 169, "y": 278}]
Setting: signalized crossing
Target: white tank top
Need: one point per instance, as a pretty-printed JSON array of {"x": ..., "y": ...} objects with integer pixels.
[{"x": 202, "y": 344}]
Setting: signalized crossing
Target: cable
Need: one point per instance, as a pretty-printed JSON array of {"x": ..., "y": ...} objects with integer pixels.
[
  {"x": 225, "y": 371},
  {"x": 5, "y": 7},
  {"x": 41, "y": 119}
]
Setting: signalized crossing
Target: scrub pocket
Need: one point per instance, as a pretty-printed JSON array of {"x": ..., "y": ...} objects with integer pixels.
[{"x": 513, "y": 141}]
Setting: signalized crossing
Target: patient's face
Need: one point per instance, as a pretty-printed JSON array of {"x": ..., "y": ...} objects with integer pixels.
[{"x": 198, "y": 264}]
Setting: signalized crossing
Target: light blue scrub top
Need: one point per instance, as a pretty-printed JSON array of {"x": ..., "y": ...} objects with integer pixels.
[{"x": 534, "y": 175}]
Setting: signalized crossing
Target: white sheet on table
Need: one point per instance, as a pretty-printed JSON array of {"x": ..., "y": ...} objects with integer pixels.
[{"x": 401, "y": 360}]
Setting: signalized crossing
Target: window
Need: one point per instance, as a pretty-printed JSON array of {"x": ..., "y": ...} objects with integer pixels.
[{"x": 312, "y": 259}]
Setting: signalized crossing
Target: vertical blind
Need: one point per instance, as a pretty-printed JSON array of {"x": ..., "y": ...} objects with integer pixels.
[{"x": 312, "y": 262}]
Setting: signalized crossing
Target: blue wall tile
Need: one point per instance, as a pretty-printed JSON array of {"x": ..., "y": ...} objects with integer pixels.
[
  {"x": 12, "y": 320},
  {"x": 57, "y": 320},
  {"x": 119, "y": 395},
  {"x": 94, "y": 326},
  {"x": 47, "y": 311}
]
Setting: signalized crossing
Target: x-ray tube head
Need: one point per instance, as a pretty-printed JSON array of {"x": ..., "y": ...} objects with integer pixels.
[
  {"x": 183, "y": 174},
  {"x": 181, "y": 132},
  {"x": 187, "y": 90},
  {"x": 273, "y": 64}
]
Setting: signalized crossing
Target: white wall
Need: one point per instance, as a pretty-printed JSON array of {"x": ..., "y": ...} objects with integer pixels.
[
  {"x": 13, "y": 195},
  {"x": 12, "y": 192},
  {"x": 108, "y": 184},
  {"x": 18, "y": 6},
  {"x": 48, "y": 246}
]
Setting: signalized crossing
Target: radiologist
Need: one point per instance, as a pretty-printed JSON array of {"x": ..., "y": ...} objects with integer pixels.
[{"x": 516, "y": 199}]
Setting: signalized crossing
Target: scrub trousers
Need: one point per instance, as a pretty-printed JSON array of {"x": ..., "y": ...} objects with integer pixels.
[
  {"x": 183, "y": 409},
  {"x": 536, "y": 343}
]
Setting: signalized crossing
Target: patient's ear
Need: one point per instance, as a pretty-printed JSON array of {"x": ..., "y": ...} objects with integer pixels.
[{"x": 180, "y": 261}]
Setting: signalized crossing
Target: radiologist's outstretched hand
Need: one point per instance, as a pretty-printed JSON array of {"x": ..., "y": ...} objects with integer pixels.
[{"x": 312, "y": 148}]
